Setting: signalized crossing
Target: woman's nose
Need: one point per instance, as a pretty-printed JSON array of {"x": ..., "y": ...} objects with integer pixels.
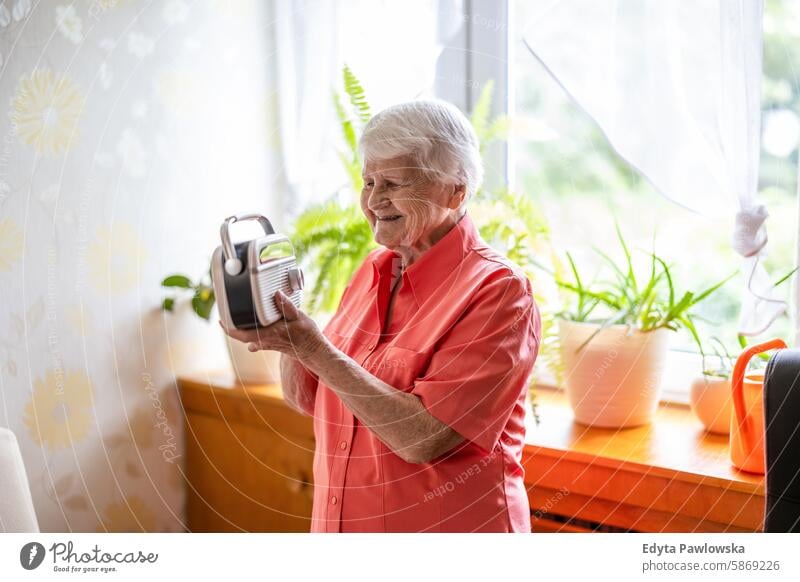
[{"x": 377, "y": 198}]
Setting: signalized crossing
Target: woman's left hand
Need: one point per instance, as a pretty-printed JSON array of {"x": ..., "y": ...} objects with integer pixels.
[{"x": 296, "y": 335}]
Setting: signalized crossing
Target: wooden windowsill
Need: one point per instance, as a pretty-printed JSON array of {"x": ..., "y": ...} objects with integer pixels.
[
  {"x": 670, "y": 475},
  {"x": 675, "y": 445}
]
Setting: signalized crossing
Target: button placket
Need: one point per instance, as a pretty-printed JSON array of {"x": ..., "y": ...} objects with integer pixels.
[
  {"x": 336, "y": 475},
  {"x": 340, "y": 460}
]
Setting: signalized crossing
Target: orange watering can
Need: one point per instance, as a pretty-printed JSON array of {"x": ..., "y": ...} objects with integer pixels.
[{"x": 747, "y": 420}]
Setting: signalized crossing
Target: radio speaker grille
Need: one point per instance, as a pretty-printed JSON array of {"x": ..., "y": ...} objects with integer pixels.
[{"x": 276, "y": 279}]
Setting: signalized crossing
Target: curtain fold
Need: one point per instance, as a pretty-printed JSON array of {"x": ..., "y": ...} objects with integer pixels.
[
  {"x": 676, "y": 88},
  {"x": 306, "y": 71}
]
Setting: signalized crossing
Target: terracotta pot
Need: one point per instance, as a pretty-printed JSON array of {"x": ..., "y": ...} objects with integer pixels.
[
  {"x": 614, "y": 381},
  {"x": 710, "y": 399}
]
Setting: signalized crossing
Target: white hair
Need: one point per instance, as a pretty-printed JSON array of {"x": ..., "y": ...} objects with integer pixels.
[{"x": 435, "y": 133}]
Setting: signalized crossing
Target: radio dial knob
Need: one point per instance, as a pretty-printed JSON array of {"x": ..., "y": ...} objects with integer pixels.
[{"x": 296, "y": 281}]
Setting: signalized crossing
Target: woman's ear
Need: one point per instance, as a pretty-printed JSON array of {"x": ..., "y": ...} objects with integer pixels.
[{"x": 458, "y": 196}]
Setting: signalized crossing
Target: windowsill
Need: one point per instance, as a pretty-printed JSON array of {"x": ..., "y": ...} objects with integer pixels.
[
  {"x": 669, "y": 475},
  {"x": 675, "y": 444}
]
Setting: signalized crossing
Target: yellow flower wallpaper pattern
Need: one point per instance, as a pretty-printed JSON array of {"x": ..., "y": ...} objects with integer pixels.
[
  {"x": 59, "y": 414},
  {"x": 10, "y": 244},
  {"x": 106, "y": 113},
  {"x": 46, "y": 110}
]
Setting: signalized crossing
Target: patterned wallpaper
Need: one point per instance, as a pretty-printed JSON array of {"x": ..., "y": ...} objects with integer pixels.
[{"x": 128, "y": 129}]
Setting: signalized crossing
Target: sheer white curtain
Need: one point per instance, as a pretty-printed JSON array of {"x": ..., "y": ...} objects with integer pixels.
[
  {"x": 675, "y": 87},
  {"x": 306, "y": 71}
]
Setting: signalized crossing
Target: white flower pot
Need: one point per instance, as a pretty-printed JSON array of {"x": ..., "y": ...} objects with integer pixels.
[
  {"x": 614, "y": 381},
  {"x": 261, "y": 367},
  {"x": 185, "y": 343},
  {"x": 711, "y": 402}
]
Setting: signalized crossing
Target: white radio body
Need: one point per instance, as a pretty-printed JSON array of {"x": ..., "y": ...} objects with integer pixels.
[{"x": 246, "y": 275}]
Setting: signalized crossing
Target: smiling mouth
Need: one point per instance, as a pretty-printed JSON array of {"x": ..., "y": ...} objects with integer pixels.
[{"x": 389, "y": 218}]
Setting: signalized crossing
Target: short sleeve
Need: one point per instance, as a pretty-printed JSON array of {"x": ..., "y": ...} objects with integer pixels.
[{"x": 482, "y": 365}]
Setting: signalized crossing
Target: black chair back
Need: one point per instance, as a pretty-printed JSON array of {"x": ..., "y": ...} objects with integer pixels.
[{"x": 782, "y": 446}]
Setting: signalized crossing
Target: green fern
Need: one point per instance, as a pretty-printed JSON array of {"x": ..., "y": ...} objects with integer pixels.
[
  {"x": 331, "y": 240},
  {"x": 483, "y": 107},
  {"x": 346, "y": 123},
  {"x": 488, "y": 130},
  {"x": 514, "y": 225},
  {"x": 355, "y": 91},
  {"x": 352, "y": 118},
  {"x": 351, "y": 158}
]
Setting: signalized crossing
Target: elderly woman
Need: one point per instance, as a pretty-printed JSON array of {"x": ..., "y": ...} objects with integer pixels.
[{"x": 417, "y": 384}]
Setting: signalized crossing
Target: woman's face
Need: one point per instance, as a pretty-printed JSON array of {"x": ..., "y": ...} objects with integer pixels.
[{"x": 406, "y": 210}]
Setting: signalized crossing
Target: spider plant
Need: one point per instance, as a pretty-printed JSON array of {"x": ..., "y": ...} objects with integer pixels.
[
  {"x": 645, "y": 302},
  {"x": 725, "y": 360}
]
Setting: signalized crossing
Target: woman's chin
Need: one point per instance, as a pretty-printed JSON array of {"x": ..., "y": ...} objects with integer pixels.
[
  {"x": 386, "y": 241},
  {"x": 387, "y": 236}
]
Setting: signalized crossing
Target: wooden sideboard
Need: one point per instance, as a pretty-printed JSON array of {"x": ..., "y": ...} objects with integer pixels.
[{"x": 249, "y": 459}]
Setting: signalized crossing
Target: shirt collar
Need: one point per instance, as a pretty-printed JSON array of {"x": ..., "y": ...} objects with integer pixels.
[{"x": 426, "y": 273}]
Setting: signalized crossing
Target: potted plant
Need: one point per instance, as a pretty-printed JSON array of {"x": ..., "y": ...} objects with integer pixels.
[
  {"x": 615, "y": 336},
  {"x": 710, "y": 394},
  {"x": 261, "y": 367}
]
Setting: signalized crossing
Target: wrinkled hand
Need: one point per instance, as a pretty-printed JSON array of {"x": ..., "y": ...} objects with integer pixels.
[{"x": 296, "y": 335}]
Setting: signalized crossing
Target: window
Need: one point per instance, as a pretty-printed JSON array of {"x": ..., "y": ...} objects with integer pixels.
[
  {"x": 557, "y": 155},
  {"x": 560, "y": 158}
]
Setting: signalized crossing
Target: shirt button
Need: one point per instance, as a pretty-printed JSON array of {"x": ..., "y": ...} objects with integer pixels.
[
  {"x": 343, "y": 445},
  {"x": 333, "y": 500}
]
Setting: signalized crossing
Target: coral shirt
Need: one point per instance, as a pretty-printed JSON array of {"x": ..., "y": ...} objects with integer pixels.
[{"x": 463, "y": 337}]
